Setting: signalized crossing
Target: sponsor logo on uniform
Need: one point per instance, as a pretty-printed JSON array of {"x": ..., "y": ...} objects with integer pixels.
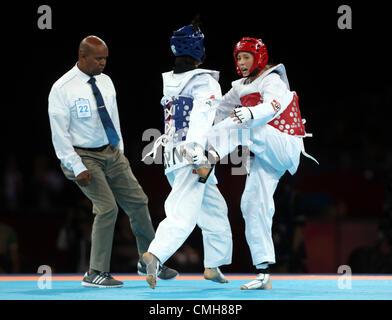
[{"x": 276, "y": 105}]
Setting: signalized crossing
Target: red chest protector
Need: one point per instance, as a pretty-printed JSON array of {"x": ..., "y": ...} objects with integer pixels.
[{"x": 289, "y": 121}]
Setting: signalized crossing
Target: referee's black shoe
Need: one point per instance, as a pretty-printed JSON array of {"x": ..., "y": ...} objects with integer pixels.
[
  {"x": 164, "y": 273},
  {"x": 98, "y": 279}
]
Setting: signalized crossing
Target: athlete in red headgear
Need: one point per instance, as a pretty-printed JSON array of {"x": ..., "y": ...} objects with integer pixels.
[
  {"x": 259, "y": 112},
  {"x": 257, "y": 48}
]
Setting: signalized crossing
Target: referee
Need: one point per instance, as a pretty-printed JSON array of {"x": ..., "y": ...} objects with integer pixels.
[{"x": 87, "y": 139}]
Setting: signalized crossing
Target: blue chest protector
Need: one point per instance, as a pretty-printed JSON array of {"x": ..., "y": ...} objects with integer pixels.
[{"x": 177, "y": 113}]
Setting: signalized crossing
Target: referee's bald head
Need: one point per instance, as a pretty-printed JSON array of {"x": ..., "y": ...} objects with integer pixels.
[
  {"x": 88, "y": 44},
  {"x": 93, "y": 53}
]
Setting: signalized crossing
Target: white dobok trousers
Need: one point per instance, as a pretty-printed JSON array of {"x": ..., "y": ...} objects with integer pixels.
[
  {"x": 275, "y": 152},
  {"x": 192, "y": 203}
]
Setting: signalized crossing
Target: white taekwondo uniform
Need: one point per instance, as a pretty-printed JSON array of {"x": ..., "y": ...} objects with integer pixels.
[
  {"x": 189, "y": 103},
  {"x": 274, "y": 135}
]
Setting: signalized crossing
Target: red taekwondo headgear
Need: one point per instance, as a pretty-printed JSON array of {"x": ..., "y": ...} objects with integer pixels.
[{"x": 257, "y": 48}]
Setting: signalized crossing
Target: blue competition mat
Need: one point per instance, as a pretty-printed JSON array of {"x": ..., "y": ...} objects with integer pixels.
[{"x": 288, "y": 287}]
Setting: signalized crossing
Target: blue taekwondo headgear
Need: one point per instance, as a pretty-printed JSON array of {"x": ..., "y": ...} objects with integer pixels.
[{"x": 188, "y": 41}]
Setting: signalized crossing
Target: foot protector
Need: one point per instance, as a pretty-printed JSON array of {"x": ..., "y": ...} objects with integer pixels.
[
  {"x": 214, "y": 274},
  {"x": 152, "y": 264},
  {"x": 262, "y": 282}
]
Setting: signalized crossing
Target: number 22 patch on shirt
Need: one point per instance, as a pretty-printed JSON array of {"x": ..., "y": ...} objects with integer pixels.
[{"x": 83, "y": 108}]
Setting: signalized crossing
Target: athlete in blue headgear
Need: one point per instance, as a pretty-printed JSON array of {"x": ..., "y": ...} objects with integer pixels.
[{"x": 190, "y": 98}]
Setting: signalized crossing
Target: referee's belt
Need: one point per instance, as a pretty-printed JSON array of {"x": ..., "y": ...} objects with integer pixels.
[{"x": 93, "y": 149}]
